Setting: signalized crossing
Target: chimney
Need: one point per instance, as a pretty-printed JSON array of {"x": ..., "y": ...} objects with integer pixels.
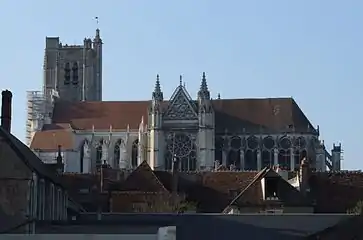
[
  {"x": 304, "y": 175},
  {"x": 6, "y": 110}
]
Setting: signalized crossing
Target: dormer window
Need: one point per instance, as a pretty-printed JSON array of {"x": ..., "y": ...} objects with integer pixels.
[{"x": 271, "y": 188}]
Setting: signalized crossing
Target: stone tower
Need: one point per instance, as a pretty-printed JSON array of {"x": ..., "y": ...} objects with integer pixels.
[
  {"x": 156, "y": 137},
  {"x": 74, "y": 72},
  {"x": 206, "y": 127}
]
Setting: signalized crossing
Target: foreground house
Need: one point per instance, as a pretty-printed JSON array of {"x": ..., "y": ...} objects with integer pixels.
[{"x": 29, "y": 189}]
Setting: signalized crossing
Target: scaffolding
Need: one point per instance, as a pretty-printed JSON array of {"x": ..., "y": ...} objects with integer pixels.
[{"x": 35, "y": 113}]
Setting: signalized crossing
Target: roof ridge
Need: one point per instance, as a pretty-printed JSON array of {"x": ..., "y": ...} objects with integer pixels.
[
  {"x": 144, "y": 163},
  {"x": 262, "y": 173}
]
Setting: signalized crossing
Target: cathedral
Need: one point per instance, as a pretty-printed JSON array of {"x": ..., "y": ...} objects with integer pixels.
[{"x": 199, "y": 134}]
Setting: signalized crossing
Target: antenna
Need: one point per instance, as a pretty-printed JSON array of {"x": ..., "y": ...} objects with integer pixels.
[{"x": 96, "y": 18}]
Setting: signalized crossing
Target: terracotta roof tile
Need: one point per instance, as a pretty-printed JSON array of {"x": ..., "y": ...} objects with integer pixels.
[
  {"x": 49, "y": 140},
  {"x": 267, "y": 115},
  {"x": 201, "y": 187},
  {"x": 252, "y": 194},
  {"x": 336, "y": 192},
  {"x": 143, "y": 179},
  {"x": 85, "y": 115},
  {"x": 125, "y": 201}
]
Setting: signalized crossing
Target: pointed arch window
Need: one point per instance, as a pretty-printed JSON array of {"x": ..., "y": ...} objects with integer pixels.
[
  {"x": 75, "y": 73},
  {"x": 117, "y": 154},
  {"x": 99, "y": 153},
  {"x": 134, "y": 153},
  {"x": 67, "y": 74},
  {"x": 181, "y": 146}
]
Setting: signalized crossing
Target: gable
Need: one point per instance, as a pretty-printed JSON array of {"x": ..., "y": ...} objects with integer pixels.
[
  {"x": 143, "y": 179},
  {"x": 181, "y": 106},
  {"x": 28, "y": 157},
  {"x": 11, "y": 165},
  {"x": 253, "y": 193}
]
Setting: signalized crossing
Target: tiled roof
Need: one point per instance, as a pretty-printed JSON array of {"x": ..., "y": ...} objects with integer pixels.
[
  {"x": 275, "y": 114},
  {"x": 252, "y": 194},
  {"x": 124, "y": 201},
  {"x": 52, "y": 137},
  {"x": 201, "y": 187},
  {"x": 336, "y": 192},
  {"x": 231, "y": 115},
  {"x": 100, "y": 115},
  {"x": 143, "y": 179}
]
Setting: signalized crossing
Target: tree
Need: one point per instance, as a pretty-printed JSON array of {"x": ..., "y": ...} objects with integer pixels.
[{"x": 357, "y": 209}]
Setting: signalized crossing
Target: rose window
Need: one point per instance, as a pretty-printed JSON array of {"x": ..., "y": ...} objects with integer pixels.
[
  {"x": 252, "y": 142},
  {"x": 285, "y": 143},
  {"x": 180, "y": 145},
  {"x": 268, "y": 142}
]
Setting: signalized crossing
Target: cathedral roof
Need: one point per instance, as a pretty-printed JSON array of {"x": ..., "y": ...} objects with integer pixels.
[
  {"x": 267, "y": 115},
  {"x": 233, "y": 115}
]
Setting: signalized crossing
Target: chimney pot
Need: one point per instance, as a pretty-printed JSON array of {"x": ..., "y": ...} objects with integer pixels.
[{"x": 6, "y": 110}]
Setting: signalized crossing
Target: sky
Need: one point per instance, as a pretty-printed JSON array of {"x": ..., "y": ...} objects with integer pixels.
[{"x": 309, "y": 50}]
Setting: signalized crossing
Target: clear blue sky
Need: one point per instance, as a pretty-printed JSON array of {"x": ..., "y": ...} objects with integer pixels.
[{"x": 310, "y": 50}]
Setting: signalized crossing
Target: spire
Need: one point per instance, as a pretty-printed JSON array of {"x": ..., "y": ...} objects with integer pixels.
[
  {"x": 203, "y": 91},
  {"x": 181, "y": 80},
  {"x": 158, "y": 94},
  {"x": 97, "y": 38}
]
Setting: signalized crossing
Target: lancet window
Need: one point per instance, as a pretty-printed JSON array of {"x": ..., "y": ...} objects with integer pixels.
[
  {"x": 267, "y": 156},
  {"x": 252, "y": 145},
  {"x": 75, "y": 73},
  {"x": 234, "y": 154},
  {"x": 284, "y": 157},
  {"x": 134, "y": 153},
  {"x": 300, "y": 152},
  {"x": 67, "y": 74},
  {"x": 99, "y": 152},
  {"x": 117, "y": 153}
]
